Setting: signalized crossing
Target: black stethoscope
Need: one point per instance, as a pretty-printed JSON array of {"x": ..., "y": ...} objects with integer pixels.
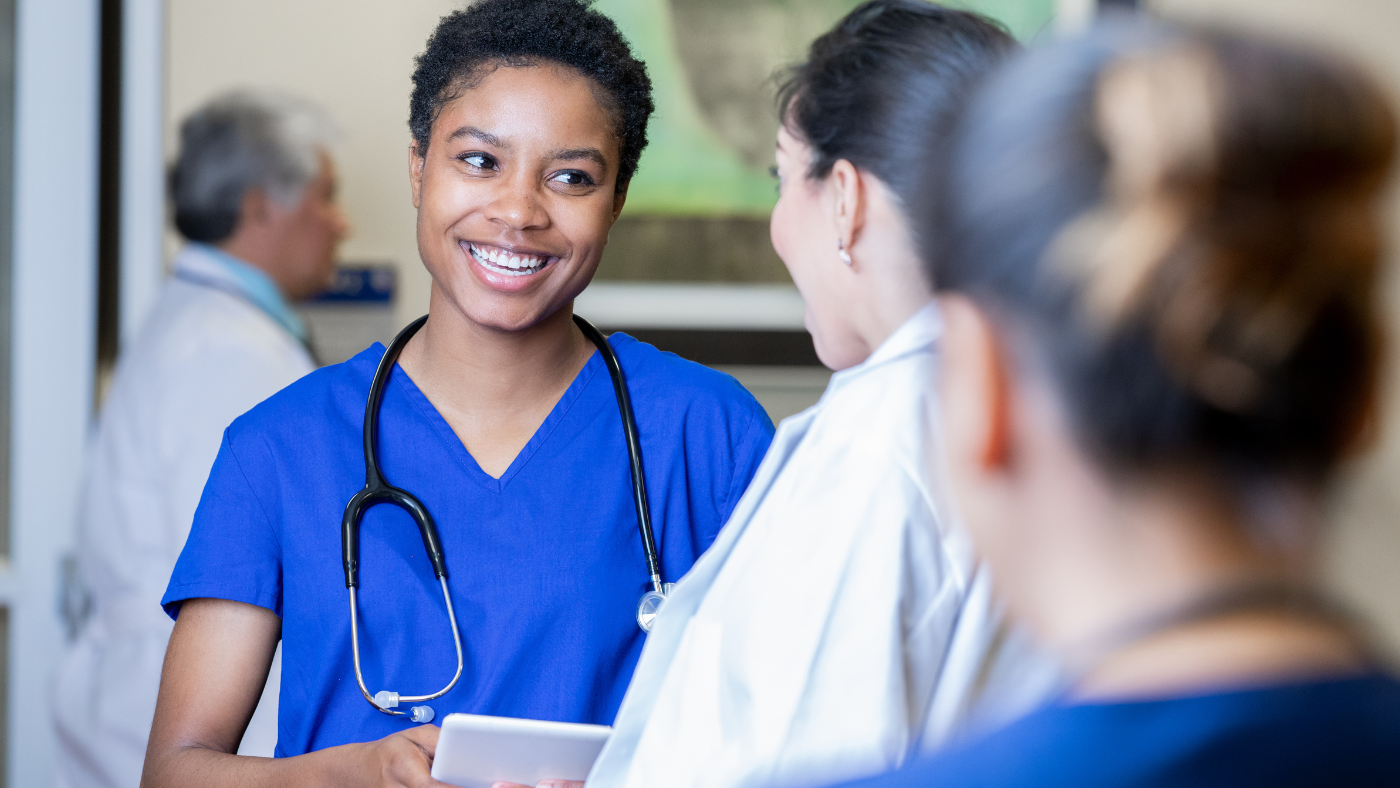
[{"x": 377, "y": 490}]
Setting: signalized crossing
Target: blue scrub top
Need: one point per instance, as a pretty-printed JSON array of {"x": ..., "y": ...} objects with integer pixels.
[
  {"x": 545, "y": 564},
  {"x": 1343, "y": 732}
]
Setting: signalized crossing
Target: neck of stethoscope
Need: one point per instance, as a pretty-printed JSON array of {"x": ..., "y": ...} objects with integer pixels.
[
  {"x": 374, "y": 479},
  {"x": 634, "y": 451},
  {"x": 378, "y": 490}
]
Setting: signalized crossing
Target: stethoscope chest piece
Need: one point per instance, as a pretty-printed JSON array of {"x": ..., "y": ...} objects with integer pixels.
[{"x": 650, "y": 605}]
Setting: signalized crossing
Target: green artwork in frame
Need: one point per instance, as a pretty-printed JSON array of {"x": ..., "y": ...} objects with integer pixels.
[{"x": 711, "y": 62}]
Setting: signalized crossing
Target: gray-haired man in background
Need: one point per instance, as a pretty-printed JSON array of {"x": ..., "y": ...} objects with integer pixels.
[{"x": 253, "y": 191}]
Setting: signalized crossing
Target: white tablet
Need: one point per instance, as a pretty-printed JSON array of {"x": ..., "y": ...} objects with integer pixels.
[{"x": 474, "y": 751}]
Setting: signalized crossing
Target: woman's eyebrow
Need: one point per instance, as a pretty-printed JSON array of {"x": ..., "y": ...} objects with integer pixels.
[
  {"x": 475, "y": 133},
  {"x": 573, "y": 154}
]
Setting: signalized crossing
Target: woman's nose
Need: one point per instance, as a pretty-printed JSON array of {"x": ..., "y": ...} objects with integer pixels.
[{"x": 518, "y": 207}]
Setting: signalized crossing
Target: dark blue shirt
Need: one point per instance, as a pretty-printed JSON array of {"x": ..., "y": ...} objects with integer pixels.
[
  {"x": 1333, "y": 733},
  {"x": 545, "y": 564}
]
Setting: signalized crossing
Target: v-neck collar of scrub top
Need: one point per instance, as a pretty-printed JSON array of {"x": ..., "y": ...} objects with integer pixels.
[{"x": 458, "y": 450}]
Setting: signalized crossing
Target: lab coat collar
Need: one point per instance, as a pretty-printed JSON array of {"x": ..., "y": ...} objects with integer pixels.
[
  {"x": 212, "y": 266},
  {"x": 918, "y": 334}
]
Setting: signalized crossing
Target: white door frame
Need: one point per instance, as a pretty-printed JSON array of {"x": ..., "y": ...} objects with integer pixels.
[
  {"x": 141, "y": 253},
  {"x": 53, "y": 314},
  {"x": 54, "y": 307}
]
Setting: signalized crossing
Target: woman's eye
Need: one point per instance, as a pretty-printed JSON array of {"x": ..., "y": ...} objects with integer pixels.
[
  {"x": 773, "y": 171},
  {"x": 573, "y": 178},
  {"x": 481, "y": 161}
]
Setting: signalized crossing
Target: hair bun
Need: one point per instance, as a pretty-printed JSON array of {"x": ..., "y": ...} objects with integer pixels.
[{"x": 1239, "y": 210}]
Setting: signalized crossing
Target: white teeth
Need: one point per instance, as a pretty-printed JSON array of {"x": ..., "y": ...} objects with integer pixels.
[{"x": 503, "y": 263}]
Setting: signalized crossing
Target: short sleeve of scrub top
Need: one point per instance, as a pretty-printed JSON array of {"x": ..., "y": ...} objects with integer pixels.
[{"x": 545, "y": 564}]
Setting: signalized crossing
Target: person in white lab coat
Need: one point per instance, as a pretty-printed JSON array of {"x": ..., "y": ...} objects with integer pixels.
[
  {"x": 840, "y": 622},
  {"x": 254, "y": 193}
]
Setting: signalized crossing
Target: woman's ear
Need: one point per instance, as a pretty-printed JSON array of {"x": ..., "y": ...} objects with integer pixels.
[
  {"x": 619, "y": 199},
  {"x": 846, "y": 190},
  {"x": 977, "y": 397},
  {"x": 415, "y": 172}
]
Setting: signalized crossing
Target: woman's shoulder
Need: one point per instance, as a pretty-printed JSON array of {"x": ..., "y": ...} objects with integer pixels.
[
  {"x": 1344, "y": 731},
  {"x": 665, "y": 378},
  {"x": 887, "y": 411},
  {"x": 323, "y": 399}
]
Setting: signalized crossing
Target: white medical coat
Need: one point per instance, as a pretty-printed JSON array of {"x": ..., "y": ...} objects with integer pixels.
[
  {"x": 203, "y": 357},
  {"x": 840, "y": 621}
]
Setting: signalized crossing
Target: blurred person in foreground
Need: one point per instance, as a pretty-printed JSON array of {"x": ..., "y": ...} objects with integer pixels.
[
  {"x": 840, "y": 623},
  {"x": 253, "y": 190},
  {"x": 1161, "y": 253}
]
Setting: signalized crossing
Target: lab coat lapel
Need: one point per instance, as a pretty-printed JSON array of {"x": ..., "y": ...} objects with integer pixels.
[
  {"x": 916, "y": 335},
  {"x": 690, "y": 591}
]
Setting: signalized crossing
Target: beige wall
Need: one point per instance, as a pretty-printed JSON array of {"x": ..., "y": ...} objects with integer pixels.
[
  {"x": 1364, "y": 559},
  {"x": 354, "y": 57}
]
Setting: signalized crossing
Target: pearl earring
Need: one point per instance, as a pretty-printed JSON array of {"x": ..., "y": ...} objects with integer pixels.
[{"x": 845, "y": 255}]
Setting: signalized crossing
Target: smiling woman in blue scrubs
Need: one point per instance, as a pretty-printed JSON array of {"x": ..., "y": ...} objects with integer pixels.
[{"x": 528, "y": 118}]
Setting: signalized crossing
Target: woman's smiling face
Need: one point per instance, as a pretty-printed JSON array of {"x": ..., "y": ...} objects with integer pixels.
[{"x": 515, "y": 194}]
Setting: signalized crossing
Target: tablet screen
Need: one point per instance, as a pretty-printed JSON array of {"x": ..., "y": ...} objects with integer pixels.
[{"x": 474, "y": 750}]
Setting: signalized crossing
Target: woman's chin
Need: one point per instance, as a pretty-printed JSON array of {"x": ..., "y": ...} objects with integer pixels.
[
  {"x": 835, "y": 356},
  {"x": 510, "y": 318},
  {"x": 832, "y": 360},
  {"x": 495, "y": 311}
]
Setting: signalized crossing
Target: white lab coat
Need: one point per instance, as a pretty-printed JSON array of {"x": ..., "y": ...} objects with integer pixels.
[
  {"x": 839, "y": 622},
  {"x": 202, "y": 358}
]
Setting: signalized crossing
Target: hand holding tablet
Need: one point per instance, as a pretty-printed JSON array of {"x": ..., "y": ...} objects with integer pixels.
[{"x": 476, "y": 751}]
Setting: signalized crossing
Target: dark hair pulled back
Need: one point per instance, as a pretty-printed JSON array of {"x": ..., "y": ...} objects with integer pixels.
[
  {"x": 877, "y": 85},
  {"x": 1183, "y": 224},
  {"x": 527, "y": 32}
]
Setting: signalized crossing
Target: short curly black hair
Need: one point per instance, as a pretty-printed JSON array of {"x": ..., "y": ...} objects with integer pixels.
[{"x": 521, "y": 33}]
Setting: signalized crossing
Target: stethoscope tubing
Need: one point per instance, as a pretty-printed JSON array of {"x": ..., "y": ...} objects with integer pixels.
[
  {"x": 634, "y": 449},
  {"x": 378, "y": 490},
  {"x": 355, "y": 651}
]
